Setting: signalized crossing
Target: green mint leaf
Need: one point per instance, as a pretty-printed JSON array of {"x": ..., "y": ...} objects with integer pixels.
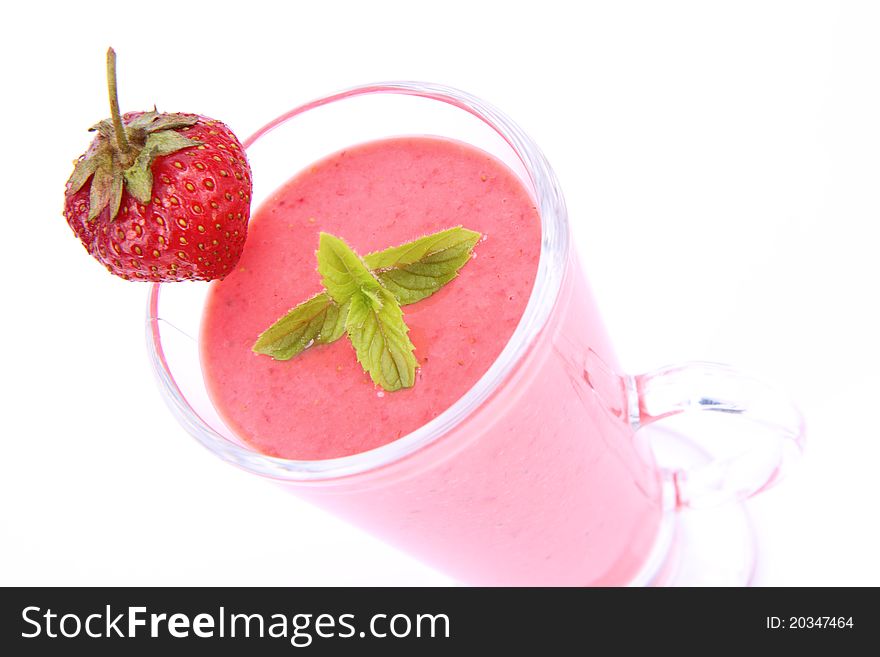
[
  {"x": 343, "y": 273},
  {"x": 411, "y": 271},
  {"x": 416, "y": 270},
  {"x": 334, "y": 323},
  {"x": 318, "y": 319},
  {"x": 379, "y": 336}
]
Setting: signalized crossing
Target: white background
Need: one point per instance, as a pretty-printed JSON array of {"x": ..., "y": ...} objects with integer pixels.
[{"x": 721, "y": 163}]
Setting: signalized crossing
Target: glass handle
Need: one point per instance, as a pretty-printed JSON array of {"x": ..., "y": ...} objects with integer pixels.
[{"x": 775, "y": 428}]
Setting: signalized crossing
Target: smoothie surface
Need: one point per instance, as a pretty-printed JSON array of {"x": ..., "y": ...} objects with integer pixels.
[{"x": 321, "y": 404}]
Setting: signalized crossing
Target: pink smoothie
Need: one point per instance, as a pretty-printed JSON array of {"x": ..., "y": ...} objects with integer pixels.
[
  {"x": 373, "y": 196},
  {"x": 544, "y": 483}
]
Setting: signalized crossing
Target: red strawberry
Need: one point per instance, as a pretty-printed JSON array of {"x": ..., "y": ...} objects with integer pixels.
[{"x": 161, "y": 197}]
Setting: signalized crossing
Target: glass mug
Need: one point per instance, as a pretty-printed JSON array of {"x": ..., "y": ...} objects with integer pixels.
[{"x": 537, "y": 475}]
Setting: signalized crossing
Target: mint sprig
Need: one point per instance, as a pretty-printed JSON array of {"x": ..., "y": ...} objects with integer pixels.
[{"x": 363, "y": 297}]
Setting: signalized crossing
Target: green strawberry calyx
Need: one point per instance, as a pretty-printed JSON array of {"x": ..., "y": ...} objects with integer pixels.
[{"x": 122, "y": 153}]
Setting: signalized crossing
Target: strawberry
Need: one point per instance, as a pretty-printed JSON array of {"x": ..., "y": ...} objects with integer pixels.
[{"x": 160, "y": 197}]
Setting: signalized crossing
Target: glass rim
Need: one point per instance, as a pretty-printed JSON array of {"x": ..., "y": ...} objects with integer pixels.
[{"x": 555, "y": 245}]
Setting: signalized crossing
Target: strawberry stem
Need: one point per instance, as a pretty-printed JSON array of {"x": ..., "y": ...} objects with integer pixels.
[{"x": 121, "y": 140}]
